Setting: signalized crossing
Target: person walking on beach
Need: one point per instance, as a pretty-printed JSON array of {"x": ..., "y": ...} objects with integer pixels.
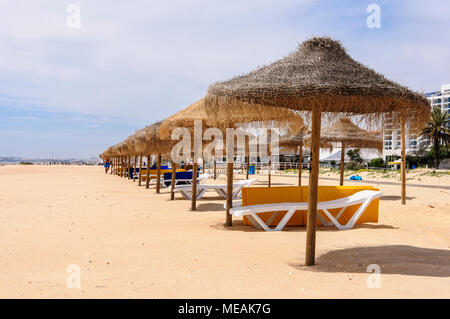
[{"x": 107, "y": 165}]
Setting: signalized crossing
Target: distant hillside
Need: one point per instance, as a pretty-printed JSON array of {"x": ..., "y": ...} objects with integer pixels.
[
  {"x": 17, "y": 160},
  {"x": 6, "y": 159}
]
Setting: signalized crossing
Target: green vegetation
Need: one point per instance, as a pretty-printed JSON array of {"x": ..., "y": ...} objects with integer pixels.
[
  {"x": 25, "y": 163},
  {"x": 377, "y": 162},
  {"x": 355, "y": 159},
  {"x": 437, "y": 131},
  {"x": 435, "y": 174}
]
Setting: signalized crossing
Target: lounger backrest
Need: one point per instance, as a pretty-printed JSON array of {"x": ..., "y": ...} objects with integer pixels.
[
  {"x": 179, "y": 175},
  {"x": 270, "y": 195}
]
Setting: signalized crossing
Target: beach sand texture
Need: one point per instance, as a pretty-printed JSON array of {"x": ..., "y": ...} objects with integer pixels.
[{"x": 132, "y": 243}]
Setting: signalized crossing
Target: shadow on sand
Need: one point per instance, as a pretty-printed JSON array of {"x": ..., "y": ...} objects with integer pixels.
[
  {"x": 393, "y": 259},
  {"x": 394, "y": 197},
  {"x": 210, "y": 207},
  {"x": 238, "y": 225}
]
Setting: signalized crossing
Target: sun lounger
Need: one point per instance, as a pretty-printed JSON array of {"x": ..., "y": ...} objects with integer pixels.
[
  {"x": 184, "y": 178},
  {"x": 167, "y": 179},
  {"x": 364, "y": 198},
  {"x": 221, "y": 189}
]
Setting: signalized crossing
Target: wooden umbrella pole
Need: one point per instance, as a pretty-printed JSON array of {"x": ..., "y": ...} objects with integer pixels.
[
  {"x": 147, "y": 178},
  {"x": 341, "y": 177},
  {"x": 158, "y": 174},
  {"x": 140, "y": 169},
  {"x": 313, "y": 187},
  {"x": 269, "y": 171},
  {"x": 229, "y": 219},
  {"x": 215, "y": 169},
  {"x": 300, "y": 164},
  {"x": 134, "y": 170},
  {"x": 203, "y": 167},
  {"x": 121, "y": 166},
  {"x": 172, "y": 181},
  {"x": 248, "y": 165},
  {"x": 129, "y": 167},
  {"x": 403, "y": 163},
  {"x": 194, "y": 185},
  {"x": 124, "y": 167}
]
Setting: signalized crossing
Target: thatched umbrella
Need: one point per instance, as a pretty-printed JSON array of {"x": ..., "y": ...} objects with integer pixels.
[
  {"x": 186, "y": 118},
  {"x": 131, "y": 143},
  {"x": 266, "y": 116},
  {"x": 294, "y": 143},
  {"x": 159, "y": 147},
  {"x": 122, "y": 151},
  {"x": 320, "y": 77},
  {"x": 142, "y": 148},
  {"x": 346, "y": 133}
]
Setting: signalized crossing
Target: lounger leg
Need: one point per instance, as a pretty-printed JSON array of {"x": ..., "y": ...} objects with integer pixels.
[
  {"x": 186, "y": 194},
  {"x": 353, "y": 219},
  {"x": 272, "y": 217},
  {"x": 260, "y": 222},
  {"x": 323, "y": 220},
  {"x": 221, "y": 192},
  {"x": 201, "y": 193},
  {"x": 253, "y": 221},
  {"x": 333, "y": 220},
  {"x": 285, "y": 219},
  {"x": 358, "y": 213}
]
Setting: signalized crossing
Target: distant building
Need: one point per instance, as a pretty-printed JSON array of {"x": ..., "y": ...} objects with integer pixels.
[
  {"x": 441, "y": 99},
  {"x": 391, "y": 132}
]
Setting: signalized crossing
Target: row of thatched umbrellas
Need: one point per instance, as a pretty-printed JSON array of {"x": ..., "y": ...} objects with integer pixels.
[{"x": 318, "y": 79}]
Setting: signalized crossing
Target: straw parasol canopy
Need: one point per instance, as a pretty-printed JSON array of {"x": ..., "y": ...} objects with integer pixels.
[
  {"x": 157, "y": 145},
  {"x": 344, "y": 131},
  {"x": 141, "y": 143},
  {"x": 319, "y": 72},
  {"x": 122, "y": 148},
  {"x": 321, "y": 77},
  {"x": 131, "y": 144},
  {"x": 266, "y": 116}
]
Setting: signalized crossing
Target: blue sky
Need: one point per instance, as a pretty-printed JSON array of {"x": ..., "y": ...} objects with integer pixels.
[{"x": 76, "y": 91}]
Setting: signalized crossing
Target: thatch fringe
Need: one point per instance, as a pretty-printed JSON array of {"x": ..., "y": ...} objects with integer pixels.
[{"x": 320, "y": 73}]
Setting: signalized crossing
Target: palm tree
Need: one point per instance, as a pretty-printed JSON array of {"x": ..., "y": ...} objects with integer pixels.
[{"x": 437, "y": 131}]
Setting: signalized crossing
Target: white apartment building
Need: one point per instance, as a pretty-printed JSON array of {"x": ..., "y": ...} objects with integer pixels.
[
  {"x": 391, "y": 132},
  {"x": 441, "y": 98}
]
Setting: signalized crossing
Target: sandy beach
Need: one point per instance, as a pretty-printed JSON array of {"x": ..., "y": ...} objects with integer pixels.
[{"x": 132, "y": 243}]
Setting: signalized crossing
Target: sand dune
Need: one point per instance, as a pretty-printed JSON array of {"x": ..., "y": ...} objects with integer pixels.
[{"x": 132, "y": 243}]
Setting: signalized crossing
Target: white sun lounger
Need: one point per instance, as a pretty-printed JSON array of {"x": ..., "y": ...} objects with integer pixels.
[
  {"x": 221, "y": 189},
  {"x": 202, "y": 178},
  {"x": 251, "y": 212}
]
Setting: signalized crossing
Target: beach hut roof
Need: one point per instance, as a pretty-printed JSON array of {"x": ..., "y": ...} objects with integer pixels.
[{"x": 320, "y": 72}]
